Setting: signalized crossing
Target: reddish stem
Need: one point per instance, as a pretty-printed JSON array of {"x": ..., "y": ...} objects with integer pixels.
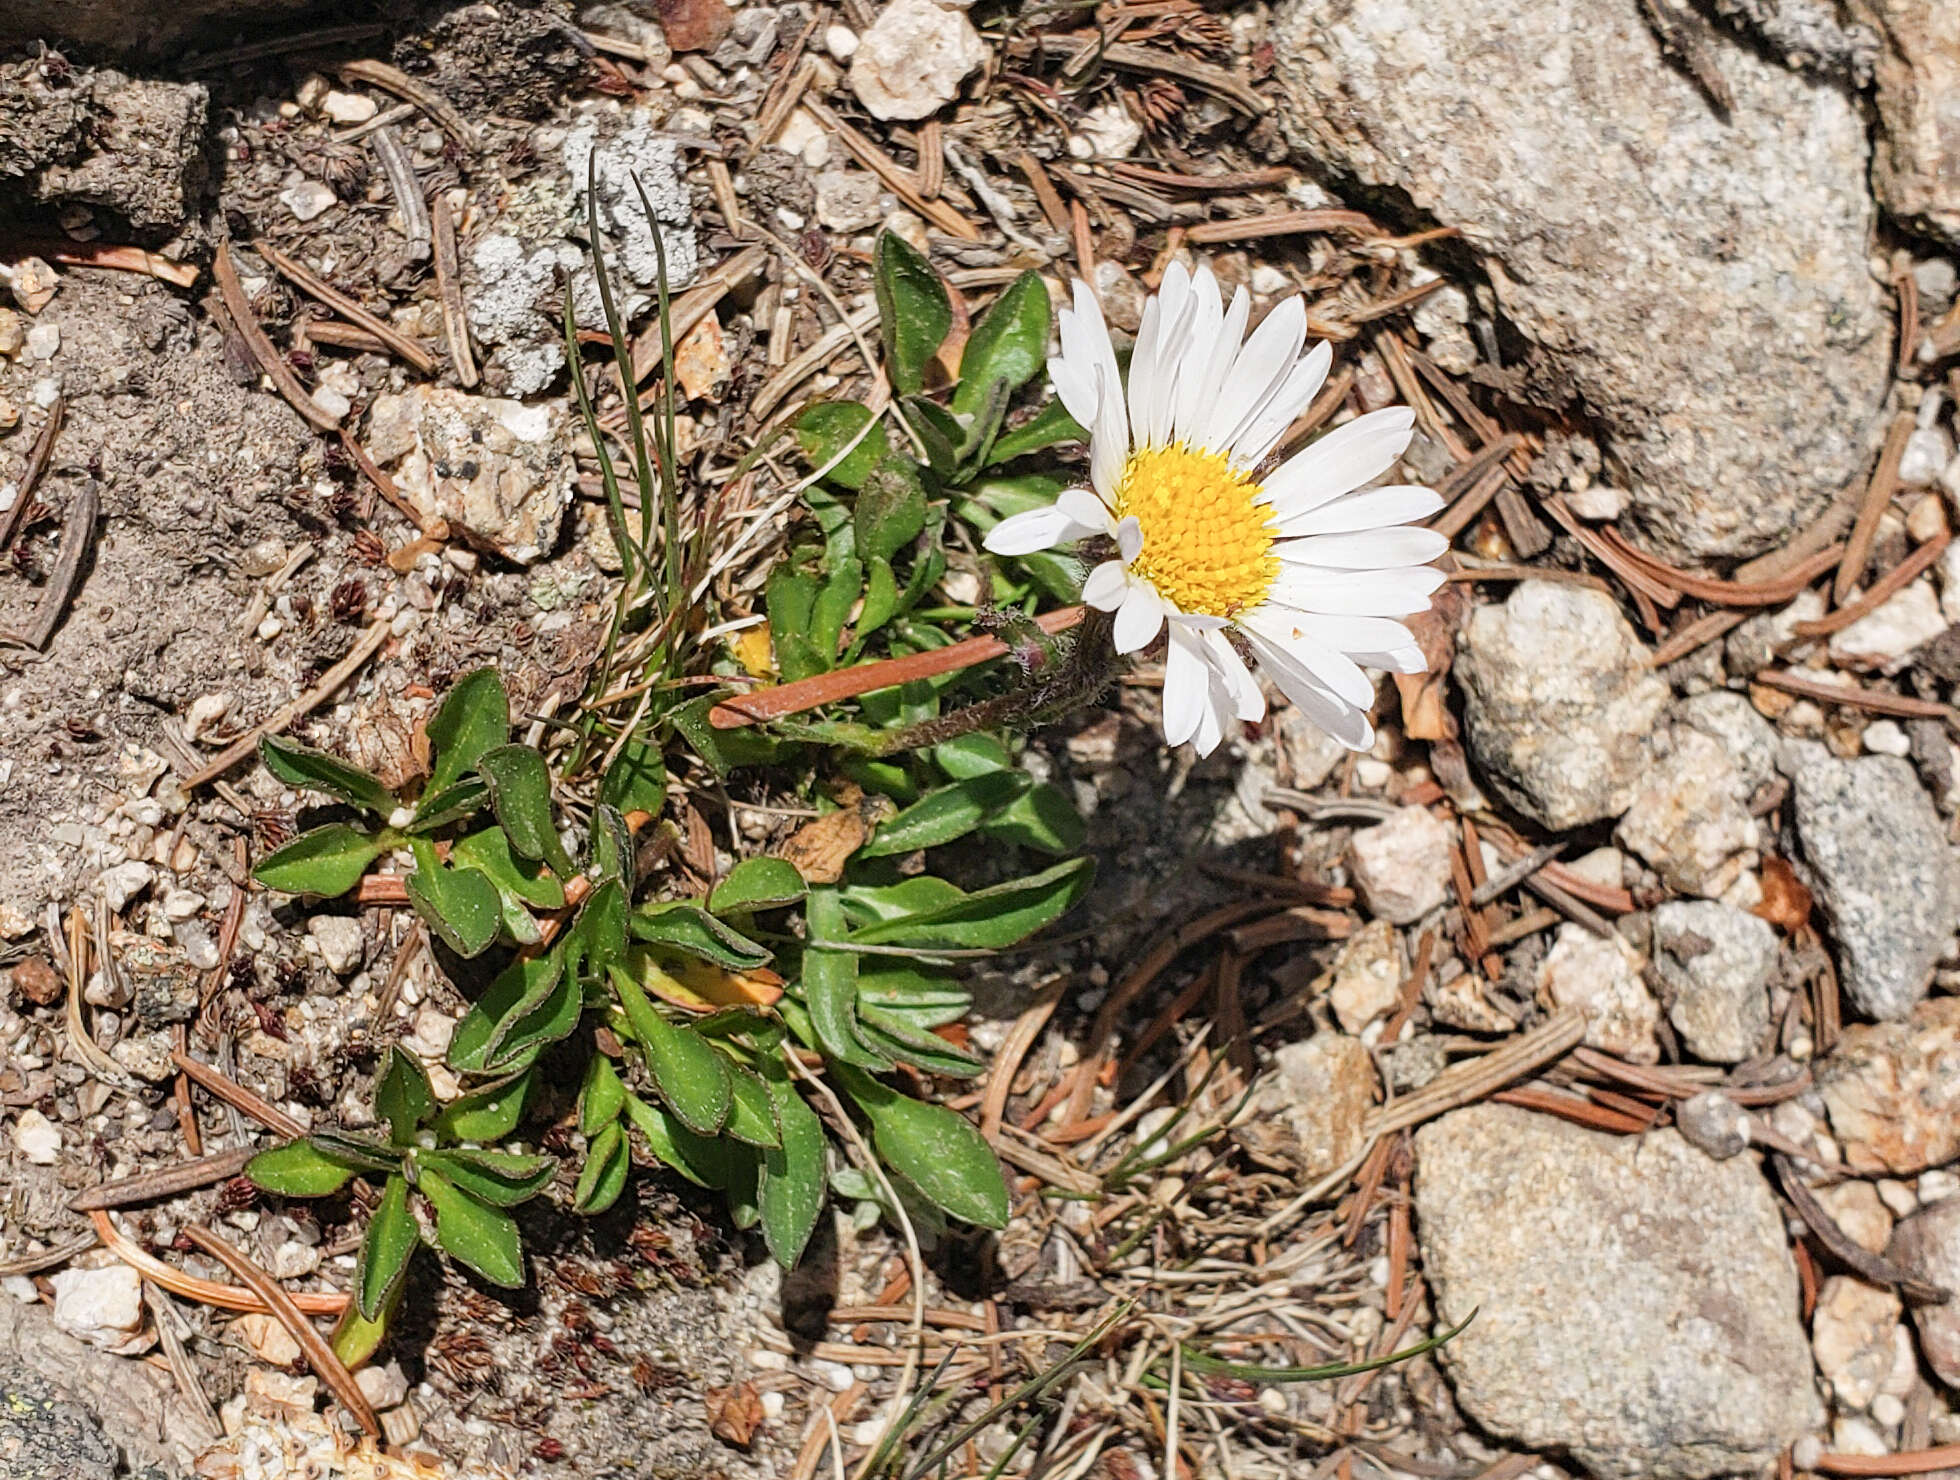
[{"x": 848, "y": 683}]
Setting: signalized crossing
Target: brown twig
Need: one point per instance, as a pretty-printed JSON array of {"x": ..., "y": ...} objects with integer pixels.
[
  {"x": 449, "y": 286},
  {"x": 334, "y": 677},
  {"x": 1465, "y": 1083},
  {"x": 37, "y": 465},
  {"x": 1879, "y": 592},
  {"x": 938, "y": 212},
  {"x": 1862, "y": 1262},
  {"x": 209, "y": 1292},
  {"x": 106, "y": 255},
  {"x": 1911, "y": 1462},
  {"x": 319, "y": 1355},
  {"x": 235, "y": 1094},
  {"x": 239, "y": 309},
  {"x": 164, "y": 1181},
  {"x": 1853, "y": 697},
  {"x": 1281, "y": 223},
  {"x": 1878, "y": 494},
  {"x": 412, "y": 90},
  {"x": 399, "y": 171},
  {"x": 311, "y": 283},
  {"x": 77, "y": 536},
  {"x": 847, "y": 683}
]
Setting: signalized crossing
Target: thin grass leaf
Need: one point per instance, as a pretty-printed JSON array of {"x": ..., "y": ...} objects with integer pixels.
[{"x": 1204, "y": 1364}]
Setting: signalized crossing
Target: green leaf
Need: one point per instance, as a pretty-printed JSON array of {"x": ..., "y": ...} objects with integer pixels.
[
  {"x": 452, "y": 804},
  {"x": 392, "y": 1235},
  {"x": 742, "y": 1183},
  {"x": 946, "y": 813},
  {"x": 1042, "y": 818},
  {"x": 826, "y": 428},
  {"x": 938, "y": 1152},
  {"x": 315, "y": 770},
  {"x": 501, "y": 1178},
  {"x": 757, "y": 884},
  {"x": 597, "y": 938},
  {"x": 609, "y": 847},
  {"x": 868, "y": 904},
  {"x": 603, "y": 1177},
  {"x": 517, "y": 992},
  {"x": 938, "y": 432},
  {"x": 751, "y": 1116},
  {"x": 602, "y": 1096},
  {"x": 925, "y": 998},
  {"x": 636, "y": 781},
  {"x": 835, "y": 598},
  {"x": 1206, "y": 1365},
  {"x": 692, "y": 931},
  {"x": 356, "y": 1338},
  {"x": 478, "y": 1235},
  {"x": 829, "y": 983},
  {"x": 676, "y": 1146},
  {"x": 971, "y": 755},
  {"x": 792, "y": 1193},
  {"x": 890, "y": 509},
  {"x": 326, "y": 861},
  {"x": 487, "y": 1114},
  {"x": 300, "y": 1169},
  {"x": 1049, "y": 427},
  {"x": 726, "y": 750},
  {"x": 520, "y": 790},
  {"x": 880, "y": 598},
  {"x": 402, "y": 1097},
  {"x": 364, "y": 1153},
  {"x": 1008, "y": 345},
  {"x": 460, "y": 905},
  {"x": 473, "y": 717},
  {"x": 992, "y": 918},
  {"x": 894, "y": 1034},
  {"x": 914, "y": 313},
  {"x": 526, "y": 880},
  {"x": 691, "y": 1076}
]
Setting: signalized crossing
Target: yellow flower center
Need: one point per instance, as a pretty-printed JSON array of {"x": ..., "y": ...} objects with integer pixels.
[{"x": 1206, "y": 545}]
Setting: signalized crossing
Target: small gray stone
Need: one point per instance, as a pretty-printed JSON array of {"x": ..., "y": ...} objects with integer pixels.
[
  {"x": 1402, "y": 866},
  {"x": 912, "y": 59},
  {"x": 1717, "y": 961},
  {"x": 1916, "y": 167},
  {"x": 1316, "y": 1101},
  {"x": 1713, "y": 1123},
  {"x": 1687, "y": 817},
  {"x": 1637, "y": 1303},
  {"x": 1750, "y": 740},
  {"x": 849, "y": 200},
  {"x": 340, "y": 941},
  {"x": 308, "y": 199},
  {"x": 1695, "y": 277},
  {"x": 1882, "y": 871},
  {"x": 1561, "y": 702},
  {"x": 1927, "y": 1245},
  {"x": 1601, "y": 976},
  {"x": 124, "y": 882}
]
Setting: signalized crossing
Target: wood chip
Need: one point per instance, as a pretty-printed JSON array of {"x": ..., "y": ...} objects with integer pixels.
[
  {"x": 449, "y": 285},
  {"x": 1878, "y": 494},
  {"x": 239, "y": 309},
  {"x": 77, "y": 537},
  {"x": 302, "y": 277},
  {"x": 37, "y": 465}
]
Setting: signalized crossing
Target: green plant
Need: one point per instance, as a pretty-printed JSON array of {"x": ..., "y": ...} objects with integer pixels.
[{"x": 435, "y": 1150}]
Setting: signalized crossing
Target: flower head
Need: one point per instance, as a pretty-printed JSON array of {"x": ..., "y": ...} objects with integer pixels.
[{"x": 1303, "y": 565}]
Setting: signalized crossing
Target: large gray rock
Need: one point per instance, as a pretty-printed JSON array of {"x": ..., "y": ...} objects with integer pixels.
[
  {"x": 45, "y": 1435},
  {"x": 1916, "y": 168},
  {"x": 1561, "y": 702},
  {"x": 1636, "y": 1302},
  {"x": 1698, "y": 283},
  {"x": 1928, "y": 1245},
  {"x": 1882, "y": 871},
  {"x": 102, "y": 139},
  {"x": 1717, "y": 961}
]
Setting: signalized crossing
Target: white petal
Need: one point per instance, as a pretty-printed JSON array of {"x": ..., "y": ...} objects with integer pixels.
[
  {"x": 1372, "y": 508},
  {"x": 1348, "y": 634},
  {"x": 1198, "y": 621},
  {"x": 1187, "y": 687},
  {"x": 1259, "y": 436},
  {"x": 1148, "y": 367},
  {"x": 1139, "y": 618},
  {"x": 1341, "y": 461},
  {"x": 1366, "y": 549},
  {"x": 1258, "y": 373},
  {"x": 1395, "y": 660},
  {"x": 1037, "y": 529},
  {"x": 1205, "y": 327},
  {"x": 1151, "y": 402},
  {"x": 1346, "y": 722},
  {"x": 1129, "y": 538},
  {"x": 1331, "y": 669},
  {"x": 1248, "y": 703},
  {"x": 1075, "y": 387},
  {"x": 1107, "y": 585},
  {"x": 1373, "y": 593},
  {"x": 1206, "y": 369},
  {"x": 1109, "y": 442},
  {"x": 1085, "y": 508}
]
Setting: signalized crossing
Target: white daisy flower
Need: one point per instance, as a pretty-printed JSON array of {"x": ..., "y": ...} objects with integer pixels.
[{"x": 1304, "y": 564}]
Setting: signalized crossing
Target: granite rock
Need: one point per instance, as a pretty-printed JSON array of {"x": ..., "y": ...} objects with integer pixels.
[
  {"x": 1717, "y": 961},
  {"x": 1637, "y": 1303},
  {"x": 1696, "y": 282}
]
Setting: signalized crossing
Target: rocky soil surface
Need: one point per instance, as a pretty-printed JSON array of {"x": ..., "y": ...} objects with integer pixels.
[{"x": 1613, "y": 997}]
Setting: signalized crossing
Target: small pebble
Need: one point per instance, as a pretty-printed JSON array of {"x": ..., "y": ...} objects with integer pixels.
[
  {"x": 308, "y": 199},
  {"x": 43, "y": 341},
  {"x": 1885, "y": 737},
  {"x": 840, "y": 41},
  {"x": 37, "y": 1138},
  {"x": 349, "y": 108},
  {"x": 331, "y": 401}
]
